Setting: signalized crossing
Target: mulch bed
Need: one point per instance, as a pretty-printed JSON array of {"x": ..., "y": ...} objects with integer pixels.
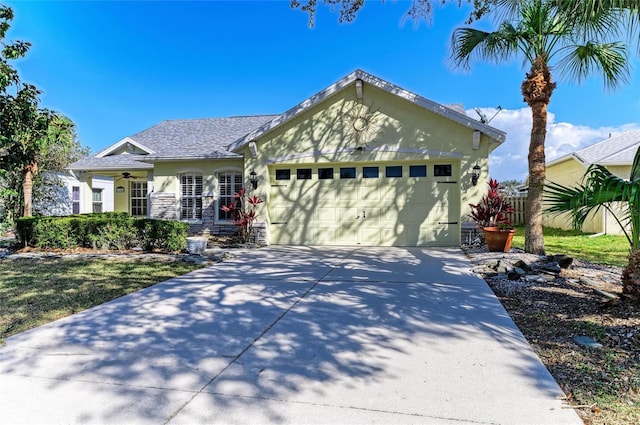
[{"x": 552, "y": 309}]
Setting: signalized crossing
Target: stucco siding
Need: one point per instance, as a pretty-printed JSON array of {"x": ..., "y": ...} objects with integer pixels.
[{"x": 408, "y": 211}]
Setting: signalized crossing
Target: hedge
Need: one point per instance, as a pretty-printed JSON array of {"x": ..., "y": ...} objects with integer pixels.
[{"x": 107, "y": 231}]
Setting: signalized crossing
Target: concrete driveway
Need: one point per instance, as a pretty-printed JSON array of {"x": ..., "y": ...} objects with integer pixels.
[{"x": 307, "y": 335}]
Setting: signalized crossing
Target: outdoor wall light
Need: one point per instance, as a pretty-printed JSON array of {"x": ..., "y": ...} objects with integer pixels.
[
  {"x": 120, "y": 189},
  {"x": 475, "y": 174},
  {"x": 253, "y": 178}
]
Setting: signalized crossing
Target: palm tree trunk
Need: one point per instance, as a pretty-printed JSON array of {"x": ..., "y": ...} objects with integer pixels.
[
  {"x": 27, "y": 188},
  {"x": 631, "y": 275},
  {"x": 536, "y": 90}
]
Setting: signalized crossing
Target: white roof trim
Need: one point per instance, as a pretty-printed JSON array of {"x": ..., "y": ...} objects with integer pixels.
[
  {"x": 383, "y": 148},
  {"x": 127, "y": 140},
  {"x": 461, "y": 118}
]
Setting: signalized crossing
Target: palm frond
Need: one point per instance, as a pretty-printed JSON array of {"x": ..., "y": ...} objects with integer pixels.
[
  {"x": 608, "y": 59},
  {"x": 468, "y": 44}
]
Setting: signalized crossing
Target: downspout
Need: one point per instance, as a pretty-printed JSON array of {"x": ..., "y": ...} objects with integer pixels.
[{"x": 604, "y": 225}]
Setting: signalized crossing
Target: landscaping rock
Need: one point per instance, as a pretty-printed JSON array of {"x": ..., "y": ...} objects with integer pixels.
[
  {"x": 503, "y": 267},
  {"x": 522, "y": 265},
  {"x": 513, "y": 275},
  {"x": 552, "y": 267},
  {"x": 586, "y": 342},
  {"x": 564, "y": 261}
]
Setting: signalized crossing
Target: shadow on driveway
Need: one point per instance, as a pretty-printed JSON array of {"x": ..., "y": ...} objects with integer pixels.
[{"x": 289, "y": 335}]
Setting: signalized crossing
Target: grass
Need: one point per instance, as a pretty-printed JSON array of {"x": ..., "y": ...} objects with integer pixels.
[
  {"x": 607, "y": 249},
  {"x": 37, "y": 291}
]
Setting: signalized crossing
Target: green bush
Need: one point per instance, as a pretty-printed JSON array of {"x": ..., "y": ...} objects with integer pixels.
[
  {"x": 117, "y": 231},
  {"x": 54, "y": 233},
  {"x": 163, "y": 235}
]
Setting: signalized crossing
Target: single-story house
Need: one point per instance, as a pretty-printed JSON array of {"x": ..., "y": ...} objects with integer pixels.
[
  {"x": 61, "y": 193},
  {"x": 616, "y": 153},
  {"x": 363, "y": 161}
]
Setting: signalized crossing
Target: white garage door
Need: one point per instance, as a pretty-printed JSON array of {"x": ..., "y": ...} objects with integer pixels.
[{"x": 395, "y": 204}]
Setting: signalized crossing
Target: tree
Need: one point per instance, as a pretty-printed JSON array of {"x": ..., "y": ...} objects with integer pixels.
[
  {"x": 547, "y": 38},
  {"x": 29, "y": 135},
  {"x": 510, "y": 187},
  {"x": 602, "y": 189},
  {"x": 419, "y": 10}
]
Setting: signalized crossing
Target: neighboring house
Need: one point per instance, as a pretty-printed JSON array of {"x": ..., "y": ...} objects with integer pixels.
[
  {"x": 616, "y": 154},
  {"x": 61, "y": 194},
  {"x": 360, "y": 162}
]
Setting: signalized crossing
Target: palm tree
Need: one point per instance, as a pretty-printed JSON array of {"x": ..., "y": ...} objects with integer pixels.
[
  {"x": 547, "y": 38},
  {"x": 602, "y": 189}
]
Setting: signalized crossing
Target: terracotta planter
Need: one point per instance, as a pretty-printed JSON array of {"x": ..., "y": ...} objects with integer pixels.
[{"x": 498, "y": 239}]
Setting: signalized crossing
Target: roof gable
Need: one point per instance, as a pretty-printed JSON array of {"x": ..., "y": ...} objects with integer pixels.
[
  {"x": 123, "y": 147},
  {"x": 619, "y": 149},
  {"x": 451, "y": 113}
]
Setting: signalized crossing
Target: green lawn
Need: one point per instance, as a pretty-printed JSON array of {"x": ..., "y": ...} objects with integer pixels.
[
  {"x": 37, "y": 291},
  {"x": 607, "y": 249}
]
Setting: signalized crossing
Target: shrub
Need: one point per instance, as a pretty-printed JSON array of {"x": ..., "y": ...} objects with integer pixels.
[
  {"x": 102, "y": 231},
  {"x": 54, "y": 233},
  {"x": 163, "y": 235}
]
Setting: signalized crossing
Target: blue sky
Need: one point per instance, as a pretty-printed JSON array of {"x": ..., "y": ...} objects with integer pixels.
[{"x": 117, "y": 67}]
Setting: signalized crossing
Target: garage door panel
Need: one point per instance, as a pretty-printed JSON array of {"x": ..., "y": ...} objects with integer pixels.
[
  {"x": 381, "y": 211},
  {"x": 326, "y": 214},
  {"x": 370, "y": 193}
]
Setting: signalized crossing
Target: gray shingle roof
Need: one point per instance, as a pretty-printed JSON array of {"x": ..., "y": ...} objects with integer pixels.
[
  {"x": 115, "y": 162},
  {"x": 197, "y": 138},
  {"x": 617, "y": 150},
  {"x": 204, "y": 138}
]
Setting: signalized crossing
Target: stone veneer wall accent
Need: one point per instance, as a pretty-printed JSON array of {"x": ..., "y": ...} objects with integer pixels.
[
  {"x": 205, "y": 227},
  {"x": 163, "y": 206},
  {"x": 260, "y": 233}
]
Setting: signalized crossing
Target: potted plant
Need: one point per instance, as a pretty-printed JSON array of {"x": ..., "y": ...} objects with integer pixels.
[{"x": 490, "y": 214}]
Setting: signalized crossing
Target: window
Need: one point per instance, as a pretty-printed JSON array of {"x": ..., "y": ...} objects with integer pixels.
[
  {"x": 370, "y": 172},
  {"x": 393, "y": 171},
  {"x": 442, "y": 170},
  {"x": 139, "y": 198},
  {"x": 229, "y": 183},
  {"x": 283, "y": 174},
  {"x": 96, "y": 195},
  {"x": 191, "y": 196},
  {"x": 417, "y": 171},
  {"x": 348, "y": 173},
  {"x": 303, "y": 173},
  {"x": 325, "y": 173},
  {"x": 75, "y": 199}
]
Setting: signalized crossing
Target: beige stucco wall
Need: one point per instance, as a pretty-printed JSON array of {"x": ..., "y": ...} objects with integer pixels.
[
  {"x": 399, "y": 132},
  {"x": 570, "y": 172}
]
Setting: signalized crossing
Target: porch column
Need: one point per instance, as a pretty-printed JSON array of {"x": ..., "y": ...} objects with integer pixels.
[
  {"x": 86, "y": 192},
  {"x": 149, "y": 192}
]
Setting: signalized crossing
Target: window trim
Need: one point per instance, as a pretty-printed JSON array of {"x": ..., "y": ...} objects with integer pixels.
[
  {"x": 328, "y": 176},
  {"x": 443, "y": 165},
  {"x": 144, "y": 198},
  {"x": 369, "y": 169},
  {"x": 415, "y": 167},
  {"x": 75, "y": 202},
  {"x": 218, "y": 202},
  {"x": 388, "y": 167},
  {"x": 195, "y": 173},
  {"x": 344, "y": 177},
  {"x": 301, "y": 174},
  {"x": 285, "y": 171},
  {"x": 100, "y": 202}
]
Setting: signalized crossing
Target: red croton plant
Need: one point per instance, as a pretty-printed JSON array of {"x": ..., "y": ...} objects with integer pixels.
[
  {"x": 244, "y": 209},
  {"x": 492, "y": 209}
]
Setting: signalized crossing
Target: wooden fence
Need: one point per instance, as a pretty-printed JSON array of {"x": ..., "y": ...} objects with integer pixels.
[{"x": 520, "y": 204}]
